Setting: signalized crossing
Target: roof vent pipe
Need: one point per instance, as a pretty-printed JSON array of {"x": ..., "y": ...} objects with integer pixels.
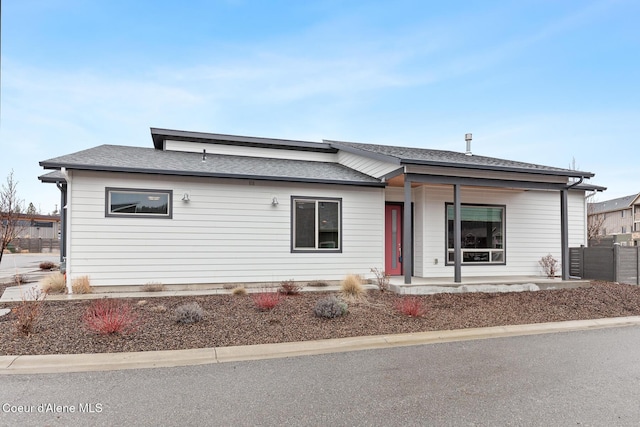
[{"x": 467, "y": 137}]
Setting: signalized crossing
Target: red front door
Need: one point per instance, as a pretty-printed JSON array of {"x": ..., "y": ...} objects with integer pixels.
[{"x": 393, "y": 240}]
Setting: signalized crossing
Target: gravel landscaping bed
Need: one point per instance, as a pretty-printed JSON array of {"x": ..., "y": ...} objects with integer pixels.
[{"x": 235, "y": 320}]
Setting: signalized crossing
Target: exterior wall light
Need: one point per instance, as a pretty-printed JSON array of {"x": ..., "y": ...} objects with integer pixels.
[{"x": 274, "y": 201}]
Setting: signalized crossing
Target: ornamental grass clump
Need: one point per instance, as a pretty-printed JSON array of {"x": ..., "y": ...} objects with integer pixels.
[
  {"x": 330, "y": 307},
  {"x": 110, "y": 316},
  {"x": 81, "y": 285},
  {"x": 239, "y": 290},
  {"x": 189, "y": 313},
  {"x": 352, "y": 288},
  {"x": 54, "y": 283}
]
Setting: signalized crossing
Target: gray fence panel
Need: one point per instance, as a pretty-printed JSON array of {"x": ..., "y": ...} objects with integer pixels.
[
  {"x": 615, "y": 264},
  {"x": 628, "y": 265},
  {"x": 598, "y": 264}
]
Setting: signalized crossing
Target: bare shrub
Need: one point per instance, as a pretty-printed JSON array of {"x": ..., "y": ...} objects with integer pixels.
[
  {"x": 47, "y": 265},
  {"x": 29, "y": 310},
  {"x": 330, "y": 307},
  {"x": 54, "y": 283},
  {"x": 110, "y": 316},
  {"x": 289, "y": 287},
  {"x": 382, "y": 279},
  {"x": 549, "y": 265},
  {"x": 189, "y": 313},
  {"x": 153, "y": 287},
  {"x": 81, "y": 285},
  {"x": 352, "y": 288}
]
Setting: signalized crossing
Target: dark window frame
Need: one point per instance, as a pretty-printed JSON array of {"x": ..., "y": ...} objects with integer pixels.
[
  {"x": 107, "y": 204},
  {"x": 503, "y": 237},
  {"x": 315, "y": 249}
]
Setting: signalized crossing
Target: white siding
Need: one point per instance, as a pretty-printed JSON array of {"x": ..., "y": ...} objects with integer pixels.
[
  {"x": 239, "y": 150},
  {"x": 371, "y": 167},
  {"x": 532, "y": 228},
  {"x": 228, "y": 232}
]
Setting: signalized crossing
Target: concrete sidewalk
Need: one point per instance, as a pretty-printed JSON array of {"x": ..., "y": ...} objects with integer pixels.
[{"x": 156, "y": 359}]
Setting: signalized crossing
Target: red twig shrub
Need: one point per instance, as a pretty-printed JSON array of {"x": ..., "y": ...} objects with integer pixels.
[
  {"x": 410, "y": 306},
  {"x": 266, "y": 300},
  {"x": 110, "y": 316}
]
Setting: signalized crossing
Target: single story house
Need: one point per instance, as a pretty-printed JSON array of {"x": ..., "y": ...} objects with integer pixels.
[{"x": 203, "y": 208}]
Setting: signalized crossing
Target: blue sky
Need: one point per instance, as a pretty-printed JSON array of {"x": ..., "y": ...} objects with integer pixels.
[{"x": 535, "y": 81}]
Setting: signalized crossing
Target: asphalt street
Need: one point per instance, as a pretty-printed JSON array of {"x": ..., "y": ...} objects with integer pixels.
[{"x": 581, "y": 378}]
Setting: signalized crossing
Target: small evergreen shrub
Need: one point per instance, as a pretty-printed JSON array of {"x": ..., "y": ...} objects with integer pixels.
[
  {"x": 410, "y": 306},
  {"x": 81, "y": 285},
  {"x": 54, "y": 283},
  {"x": 330, "y": 307},
  {"x": 110, "y": 316},
  {"x": 189, "y": 313},
  {"x": 47, "y": 265},
  {"x": 289, "y": 287},
  {"x": 266, "y": 300}
]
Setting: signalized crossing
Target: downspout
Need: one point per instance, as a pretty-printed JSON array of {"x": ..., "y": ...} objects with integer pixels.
[
  {"x": 67, "y": 235},
  {"x": 564, "y": 229},
  {"x": 63, "y": 227}
]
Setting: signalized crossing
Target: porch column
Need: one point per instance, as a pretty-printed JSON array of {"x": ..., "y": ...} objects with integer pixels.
[
  {"x": 457, "y": 231},
  {"x": 564, "y": 233},
  {"x": 407, "y": 242}
]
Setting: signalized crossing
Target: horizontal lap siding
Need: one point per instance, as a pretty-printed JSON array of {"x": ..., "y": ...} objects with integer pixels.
[
  {"x": 532, "y": 228},
  {"x": 228, "y": 232}
]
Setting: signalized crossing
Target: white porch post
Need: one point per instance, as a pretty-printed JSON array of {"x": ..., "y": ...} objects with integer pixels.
[
  {"x": 407, "y": 243},
  {"x": 457, "y": 231}
]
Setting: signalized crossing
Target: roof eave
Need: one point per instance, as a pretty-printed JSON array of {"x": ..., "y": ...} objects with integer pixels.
[
  {"x": 211, "y": 175},
  {"x": 572, "y": 174},
  {"x": 160, "y": 135}
]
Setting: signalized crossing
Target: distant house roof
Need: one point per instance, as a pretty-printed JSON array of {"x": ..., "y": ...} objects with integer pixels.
[
  {"x": 422, "y": 156},
  {"x": 115, "y": 158},
  {"x": 613, "y": 204}
]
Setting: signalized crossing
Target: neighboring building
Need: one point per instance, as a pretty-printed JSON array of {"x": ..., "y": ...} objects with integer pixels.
[
  {"x": 616, "y": 220},
  {"x": 34, "y": 226},
  {"x": 201, "y": 208}
]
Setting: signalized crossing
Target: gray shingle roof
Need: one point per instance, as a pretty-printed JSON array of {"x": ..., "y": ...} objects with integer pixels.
[
  {"x": 422, "y": 156},
  {"x": 613, "y": 204},
  {"x": 148, "y": 160}
]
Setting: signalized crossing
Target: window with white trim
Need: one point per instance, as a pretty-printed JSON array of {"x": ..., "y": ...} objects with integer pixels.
[
  {"x": 138, "y": 203},
  {"x": 316, "y": 224},
  {"x": 482, "y": 234}
]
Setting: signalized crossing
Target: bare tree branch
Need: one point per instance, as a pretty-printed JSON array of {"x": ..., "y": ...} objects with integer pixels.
[{"x": 12, "y": 221}]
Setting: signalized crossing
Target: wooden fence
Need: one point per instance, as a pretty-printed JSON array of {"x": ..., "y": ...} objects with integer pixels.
[
  {"x": 34, "y": 245},
  {"x": 616, "y": 264}
]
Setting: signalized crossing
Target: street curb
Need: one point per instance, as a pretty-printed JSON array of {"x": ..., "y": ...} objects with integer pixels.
[{"x": 56, "y": 363}]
